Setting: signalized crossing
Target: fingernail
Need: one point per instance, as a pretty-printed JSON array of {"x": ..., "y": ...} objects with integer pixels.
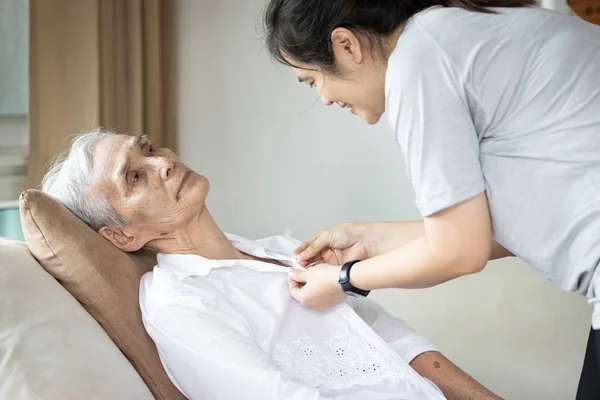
[{"x": 302, "y": 255}]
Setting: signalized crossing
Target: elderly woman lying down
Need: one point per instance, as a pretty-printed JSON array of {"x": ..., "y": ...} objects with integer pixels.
[{"x": 218, "y": 306}]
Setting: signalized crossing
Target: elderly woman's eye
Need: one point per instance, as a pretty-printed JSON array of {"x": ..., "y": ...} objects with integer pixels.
[
  {"x": 136, "y": 177},
  {"x": 151, "y": 149}
]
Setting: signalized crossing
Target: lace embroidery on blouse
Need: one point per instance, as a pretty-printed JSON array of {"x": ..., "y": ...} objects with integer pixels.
[{"x": 337, "y": 361}]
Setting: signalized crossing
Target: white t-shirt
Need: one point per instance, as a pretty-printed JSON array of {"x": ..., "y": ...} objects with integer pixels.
[
  {"x": 229, "y": 329},
  {"x": 509, "y": 104}
]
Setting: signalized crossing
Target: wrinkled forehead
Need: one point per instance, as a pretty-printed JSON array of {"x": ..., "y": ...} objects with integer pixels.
[{"x": 106, "y": 155}]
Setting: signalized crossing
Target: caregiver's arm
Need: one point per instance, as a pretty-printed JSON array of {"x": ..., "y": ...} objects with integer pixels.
[
  {"x": 452, "y": 381},
  {"x": 361, "y": 240},
  {"x": 381, "y": 237},
  {"x": 457, "y": 242}
]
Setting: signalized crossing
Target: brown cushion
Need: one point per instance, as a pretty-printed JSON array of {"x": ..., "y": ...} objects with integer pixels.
[{"x": 104, "y": 279}]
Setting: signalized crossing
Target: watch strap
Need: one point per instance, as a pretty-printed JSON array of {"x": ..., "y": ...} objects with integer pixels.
[{"x": 344, "y": 280}]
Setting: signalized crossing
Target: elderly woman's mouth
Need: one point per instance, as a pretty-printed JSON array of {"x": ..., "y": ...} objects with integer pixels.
[{"x": 184, "y": 180}]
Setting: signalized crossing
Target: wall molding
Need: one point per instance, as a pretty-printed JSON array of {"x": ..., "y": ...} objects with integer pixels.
[
  {"x": 13, "y": 172},
  {"x": 13, "y": 161}
]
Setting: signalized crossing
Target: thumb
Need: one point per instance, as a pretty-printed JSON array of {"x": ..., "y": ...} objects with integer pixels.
[
  {"x": 295, "y": 290},
  {"x": 298, "y": 276}
]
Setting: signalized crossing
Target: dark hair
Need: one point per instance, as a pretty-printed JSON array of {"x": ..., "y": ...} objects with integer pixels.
[{"x": 301, "y": 29}]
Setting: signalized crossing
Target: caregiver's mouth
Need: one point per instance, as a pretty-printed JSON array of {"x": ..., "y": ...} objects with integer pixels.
[{"x": 183, "y": 182}]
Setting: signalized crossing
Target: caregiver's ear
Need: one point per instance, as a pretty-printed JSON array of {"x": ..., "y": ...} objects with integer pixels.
[
  {"x": 347, "y": 44},
  {"x": 120, "y": 238}
]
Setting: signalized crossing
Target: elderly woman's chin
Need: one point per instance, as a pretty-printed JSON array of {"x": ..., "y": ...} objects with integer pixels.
[{"x": 194, "y": 190}]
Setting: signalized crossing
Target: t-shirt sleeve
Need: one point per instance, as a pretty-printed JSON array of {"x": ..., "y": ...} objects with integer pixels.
[{"x": 427, "y": 107}]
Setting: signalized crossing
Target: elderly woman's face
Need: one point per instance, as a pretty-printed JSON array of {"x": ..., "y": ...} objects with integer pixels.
[{"x": 149, "y": 186}]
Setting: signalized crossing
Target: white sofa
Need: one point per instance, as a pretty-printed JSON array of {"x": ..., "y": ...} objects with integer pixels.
[{"x": 50, "y": 347}]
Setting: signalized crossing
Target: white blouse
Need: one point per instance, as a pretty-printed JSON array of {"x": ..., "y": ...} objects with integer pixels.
[{"x": 228, "y": 329}]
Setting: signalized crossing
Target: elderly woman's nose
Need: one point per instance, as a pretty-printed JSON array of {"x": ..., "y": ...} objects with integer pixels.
[{"x": 165, "y": 167}]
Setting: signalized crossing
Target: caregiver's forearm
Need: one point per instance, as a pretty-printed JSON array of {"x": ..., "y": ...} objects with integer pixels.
[
  {"x": 411, "y": 266},
  {"x": 382, "y": 237},
  {"x": 452, "y": 381}
]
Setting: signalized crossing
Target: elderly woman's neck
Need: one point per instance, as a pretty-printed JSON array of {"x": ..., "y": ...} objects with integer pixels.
[{"x": 200, "y": 236}]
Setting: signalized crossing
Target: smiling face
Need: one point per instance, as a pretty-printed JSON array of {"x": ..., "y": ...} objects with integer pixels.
[
  {"x": 148, "y": 186},
  {"x": 359, "y": 81}
]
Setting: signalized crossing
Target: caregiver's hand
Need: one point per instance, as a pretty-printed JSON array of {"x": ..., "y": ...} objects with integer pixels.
[
  {"x": 316, "y": 287},
  {"x": 336, "y": 246}
]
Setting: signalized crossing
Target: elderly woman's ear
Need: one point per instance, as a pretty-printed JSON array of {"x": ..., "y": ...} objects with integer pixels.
[{"x": 120, "y": 238}]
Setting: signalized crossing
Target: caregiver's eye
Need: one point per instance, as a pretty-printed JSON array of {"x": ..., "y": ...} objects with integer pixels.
[{"x": 312, "y": 85}]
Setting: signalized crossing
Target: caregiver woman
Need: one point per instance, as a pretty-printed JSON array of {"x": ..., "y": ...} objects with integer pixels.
[{"x": 497, "y": 112}]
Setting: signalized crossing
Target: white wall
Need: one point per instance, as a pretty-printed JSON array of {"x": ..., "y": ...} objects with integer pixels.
[
  {"x": 556, "y": 5},
  {"x": 279, "y": 160}
]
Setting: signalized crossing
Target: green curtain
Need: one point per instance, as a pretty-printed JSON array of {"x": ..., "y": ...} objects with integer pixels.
[{"x": 10, "y": 224}]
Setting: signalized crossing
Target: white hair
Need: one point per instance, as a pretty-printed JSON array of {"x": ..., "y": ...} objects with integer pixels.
[{"x": 69, "y": 180}]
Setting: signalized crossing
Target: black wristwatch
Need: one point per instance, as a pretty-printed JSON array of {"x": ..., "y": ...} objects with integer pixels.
[{"x": 345, "y": 281}]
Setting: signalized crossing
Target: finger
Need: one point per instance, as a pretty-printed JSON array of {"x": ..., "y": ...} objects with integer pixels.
[
  {"x": 316, "y": 238},
  {"x": 313, "y": 249},
  {"x": 293, "y": 284},
  {"x": 305, "y": 245},
  {"x": 311, "y": 263},
  {"x": 295, "y": 289},
  {"x": 297, "y": 276}
]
